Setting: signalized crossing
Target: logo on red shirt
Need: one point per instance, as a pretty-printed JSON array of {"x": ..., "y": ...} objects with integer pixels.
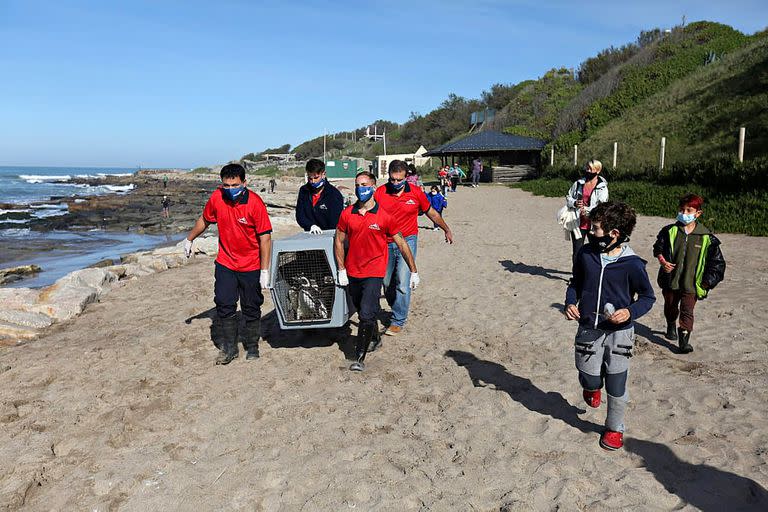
[
  {"x": 374, "y": 226},
  {"x": 242, "y": 220},
  {"x": 410, "y": 201}
]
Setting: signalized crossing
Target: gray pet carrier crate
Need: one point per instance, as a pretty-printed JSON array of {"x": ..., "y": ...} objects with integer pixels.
[{"x": 304, "y": 287}]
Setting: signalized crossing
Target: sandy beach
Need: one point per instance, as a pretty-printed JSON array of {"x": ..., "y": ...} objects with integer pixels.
[{"x": 476, "y": 406}]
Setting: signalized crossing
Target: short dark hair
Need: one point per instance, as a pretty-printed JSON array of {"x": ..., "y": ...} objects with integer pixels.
[
  {"x": 398, "y": 166},
  {"x": 370, "y": 175},
  {"x": 315, "y": 166},
  {"x": 612, "y": 215},
  {"x": 233, "y": 171},
  {"x": 692, "y": 200}
]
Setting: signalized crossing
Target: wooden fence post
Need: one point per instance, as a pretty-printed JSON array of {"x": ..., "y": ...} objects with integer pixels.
[
  {"x": 552, "y": 157},
  {"x": 742, "y": 138},
  {"x": 575, "y": 155},
  {"x": 615, "y": 151},
  {"x": 661, "y": 153}
]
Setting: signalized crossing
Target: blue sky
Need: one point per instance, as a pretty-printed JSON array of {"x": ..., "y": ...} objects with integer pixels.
[{"x": 188, "y": 83}]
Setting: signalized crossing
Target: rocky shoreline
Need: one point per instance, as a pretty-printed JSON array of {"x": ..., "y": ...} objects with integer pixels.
[
  {"x": 138, "y": 211},
  {"x": 26, "y": 312}
]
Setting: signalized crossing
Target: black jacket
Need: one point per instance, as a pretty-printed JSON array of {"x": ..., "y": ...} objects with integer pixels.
[
  {"x": 325, "y": 214},
  {"x": 714, "y": 262}
]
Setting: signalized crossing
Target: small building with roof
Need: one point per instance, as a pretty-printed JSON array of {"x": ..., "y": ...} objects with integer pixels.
[
  {"x": 416, "y": 158},
  {"x": 505, "y": 157}
]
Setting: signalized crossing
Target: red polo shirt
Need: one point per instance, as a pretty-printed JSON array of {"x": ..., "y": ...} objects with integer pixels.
[
  {"x": 367, "y": 234},
  {"x": 405, "y": 208},
  {"x": 240, "y": 224}
]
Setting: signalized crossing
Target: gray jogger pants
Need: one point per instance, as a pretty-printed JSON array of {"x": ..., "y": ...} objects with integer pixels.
[{"x": 602, "y": 357}]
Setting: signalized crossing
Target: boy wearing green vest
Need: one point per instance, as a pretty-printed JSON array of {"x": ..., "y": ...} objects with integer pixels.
[{"x": 691, "y": 265}]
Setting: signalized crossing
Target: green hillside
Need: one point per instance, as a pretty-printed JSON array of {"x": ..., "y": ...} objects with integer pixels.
[
  {"x": 699, "y": 115},
  {"x": 695, "y": 85}
]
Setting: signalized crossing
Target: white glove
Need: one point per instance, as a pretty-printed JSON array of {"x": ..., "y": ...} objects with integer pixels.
[
  {"x": 415, "y": 280},
  {"x": 315, "y": 230},
  {"x": 343, "y": 279},
  {"x": 188, "y": 247},
  {"x": 264, "y": 278}
]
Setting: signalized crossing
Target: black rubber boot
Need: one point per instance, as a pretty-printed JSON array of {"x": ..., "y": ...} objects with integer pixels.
[
  {"x": 251, "y": 339},
  {"x": 671, "y": 332},
  {"x": 684, "y": 340},
  {"x": 228, "y": 340},
  {"x": 364, "y": 337},
  {"x": 376, "y": 338}
]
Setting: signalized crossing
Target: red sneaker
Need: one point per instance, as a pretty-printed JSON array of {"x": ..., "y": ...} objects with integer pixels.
[
  {"x": 611, "y": 440},
  {"x": 592, "y": 398}
]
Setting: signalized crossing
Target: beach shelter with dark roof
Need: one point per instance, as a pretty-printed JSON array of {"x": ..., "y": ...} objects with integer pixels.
[{"x": 503, "y": 149}]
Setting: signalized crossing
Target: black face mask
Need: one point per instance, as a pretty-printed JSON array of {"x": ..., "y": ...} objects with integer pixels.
[
  {"x": 589, "y": 175},
  {"x": 605, "y": 243}
]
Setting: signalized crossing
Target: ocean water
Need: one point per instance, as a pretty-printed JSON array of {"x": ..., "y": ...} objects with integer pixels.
[
  {"x": 37, "y": 192},
  {"x": 25, "y": 185},
  {"x": 60, "y": 252}
]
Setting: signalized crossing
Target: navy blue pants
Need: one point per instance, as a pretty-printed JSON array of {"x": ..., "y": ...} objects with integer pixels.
[
  {"x": 230, "y": 286},
  {"x": 365, "y": 293}
]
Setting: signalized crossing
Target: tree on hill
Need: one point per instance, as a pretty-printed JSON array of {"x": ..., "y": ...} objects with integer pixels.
[{"x": 533, "y": 106}]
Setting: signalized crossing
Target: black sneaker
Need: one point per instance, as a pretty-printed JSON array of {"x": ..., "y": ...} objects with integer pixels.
[
  {"x": 374, "y": 344},
  {"x": 357, "y": 366},
  {"x": 225, "y": 358},
  {"x": 252, "y": 354}
]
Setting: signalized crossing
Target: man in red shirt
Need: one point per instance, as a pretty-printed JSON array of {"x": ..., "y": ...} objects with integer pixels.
[
  {"x": 404, "y": 203},
  {"x": 242, "y": 265},
  {"x": 367, "y": 227}
]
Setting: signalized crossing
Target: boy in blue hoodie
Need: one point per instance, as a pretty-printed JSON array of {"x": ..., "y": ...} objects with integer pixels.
[
  {"x": 438, "y": 202},
  {"x": 609, "y": 290}
]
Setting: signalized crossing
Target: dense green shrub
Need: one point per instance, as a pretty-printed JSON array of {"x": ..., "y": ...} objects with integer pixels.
[
  {"x": 723, "y": 173},
  {"x": 676, "y": 57},
  {"x": 745, "y": 212}
]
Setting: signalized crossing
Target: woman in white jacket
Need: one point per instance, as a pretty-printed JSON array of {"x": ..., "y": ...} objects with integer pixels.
[{"x": 584, "y": 195}]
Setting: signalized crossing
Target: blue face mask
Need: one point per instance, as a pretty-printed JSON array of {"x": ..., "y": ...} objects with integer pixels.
[
  {"x": 232, "y": 193},
  {"x": 397, "y": 186},
  {"x": 363, "y": 193},
  {"x": 317, "y": 184},
  {"x": 686, "y": 218}
]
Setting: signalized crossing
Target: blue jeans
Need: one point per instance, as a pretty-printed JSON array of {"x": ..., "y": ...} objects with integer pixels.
[{"x": 397, "y": 291}]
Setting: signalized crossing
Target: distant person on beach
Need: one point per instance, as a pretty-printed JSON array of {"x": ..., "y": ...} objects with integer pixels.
[
  {"x": 411, "y": 176},
  {"x": 166, "y": 203},
  {"x": 242, "y": 265},
  {"x": 691, "y": 264},
  {"x": 165, "y": 181},
  {"x": 272, "y": 185},
  {"x": 319, "y": 203},
  {"x": 366, "y": 227},
  {"x": 404, "y": 203},
  {"x": 438, "y": 202},
  {"x": 607, "y": 276},
  {"x": 455, "y": 174},
  {"x": 442, "y": 176},
  {"x": 586, "y": 193},
  {"x": 477, "y": 169}
]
